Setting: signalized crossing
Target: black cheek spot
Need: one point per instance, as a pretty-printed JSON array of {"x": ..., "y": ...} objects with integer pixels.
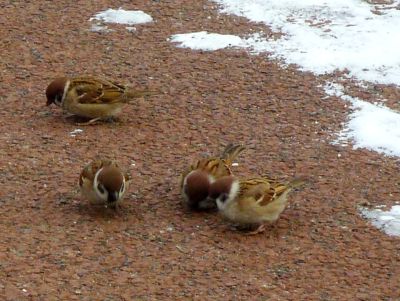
[
  {"x": 224, "y": 197},
  {"x": 213, "y": 196},
  {"x": 101, "y": 189},
  {"x": 57, "y": 99}
]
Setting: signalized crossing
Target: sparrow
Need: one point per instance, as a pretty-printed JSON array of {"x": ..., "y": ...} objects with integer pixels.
[
  {"x": 102, "y": 182},
  {"x": 90, "y": 97},
  {"x": 196, "y": 180},
  {"x": 251, "y": 202}
]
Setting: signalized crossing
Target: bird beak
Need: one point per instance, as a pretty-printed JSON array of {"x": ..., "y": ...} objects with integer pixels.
[
  {"x": 211, "y": 202},
  {"x": 113, "y": 197}
]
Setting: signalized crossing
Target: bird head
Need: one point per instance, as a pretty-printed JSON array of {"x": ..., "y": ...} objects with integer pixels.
[
  {"x": 195, "y": 190},
  {"x": 223, "y": 191},
  {"x": 109, "y": 184},
  {"x": 56, "y": 90}
]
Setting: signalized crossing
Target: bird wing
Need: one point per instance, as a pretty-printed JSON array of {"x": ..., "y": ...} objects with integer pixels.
[
  {"x": 86, "y": 174},
  {"x": 262, "y": 191},
  {"x": 218, "y": 167},
  {"x": 214, "y": 166},
  {"x": 97, "y": 91},
  {"x": 276, "y": 190},
  {"x": 89, "y": 171},
  {"x": 128, "y": 177},
  {"x": 254, "y": 187}
]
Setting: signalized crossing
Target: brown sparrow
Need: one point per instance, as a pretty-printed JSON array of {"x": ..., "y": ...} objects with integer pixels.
[
  {"x": 251, "y": 202},
  {"x": 196, "y": 180},
  {"x": 102, "y": 182},
  {"x": 90, "y": 97}
]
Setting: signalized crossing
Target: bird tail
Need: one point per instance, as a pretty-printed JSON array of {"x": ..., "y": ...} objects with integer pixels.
[
  {"x": 297, "y": 182},
  {"x": 231, "y": 152},
  {"x": 131, "y": 93}
]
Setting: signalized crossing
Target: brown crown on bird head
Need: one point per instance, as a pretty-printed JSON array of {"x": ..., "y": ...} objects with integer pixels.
[
  {"x": 55, "y": 91},
  {"x": 196, "y": 188}
]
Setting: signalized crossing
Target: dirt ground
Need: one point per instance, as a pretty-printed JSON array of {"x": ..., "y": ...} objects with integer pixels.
[{"x": 54, "y": 247}]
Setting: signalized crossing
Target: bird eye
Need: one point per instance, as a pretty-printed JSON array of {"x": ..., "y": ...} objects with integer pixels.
[
  {"x": 58, "y": 100},
  {"x": 213, "y": 196},
  {"x": 100, "y": 188},
  {"x": 223, "y": 197}
]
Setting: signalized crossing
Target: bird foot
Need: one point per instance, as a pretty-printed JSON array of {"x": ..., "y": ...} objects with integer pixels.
[
  {"x": 90, "y": 122},
  {"x": 259, "y": 229}
]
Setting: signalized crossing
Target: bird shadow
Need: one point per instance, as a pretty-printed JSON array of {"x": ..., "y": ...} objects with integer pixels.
[{"x": 83, "y": 121}]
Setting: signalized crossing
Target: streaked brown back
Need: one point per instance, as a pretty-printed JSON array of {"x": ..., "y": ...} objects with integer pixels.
[{"x": 89, "y": 171}]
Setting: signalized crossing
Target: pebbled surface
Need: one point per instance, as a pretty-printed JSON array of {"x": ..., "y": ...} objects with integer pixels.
[{"x": 55, "y": 247}]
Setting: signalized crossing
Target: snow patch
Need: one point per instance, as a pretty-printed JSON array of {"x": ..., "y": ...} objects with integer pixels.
[
  {"x": 323, "y": 36},
  {"x": 74, "y": 132},
  {"x": 99, "y": 28},
  {"x": 371, "y": 126},
  {"x": 206, "y": 41},
  {"x": 122, "y": 16},
  {"x": 387, "y": 221}
]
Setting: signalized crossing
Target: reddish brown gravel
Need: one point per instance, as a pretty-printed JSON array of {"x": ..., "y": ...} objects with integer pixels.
[{"x": 54, "y": 247}]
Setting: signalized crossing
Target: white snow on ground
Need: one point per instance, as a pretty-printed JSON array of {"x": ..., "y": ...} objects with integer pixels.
[
  {"x": 74, "y": 132},
  {"x": 203, "y": 40},
  {"x": 206, "y": 41},
  {"x": 388, "y": 221},
  {"x": 371, "y": 126},
  {"x": 99, "y": 28},
  {"x": 348, "y": 35},
  {"x": 122, "y": 16},
  {"x": 131, "y": 28},
  {"x": 322, "y": 36}
]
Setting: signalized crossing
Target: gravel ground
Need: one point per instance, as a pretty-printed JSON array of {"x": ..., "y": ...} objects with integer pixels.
[{"x": 54, "y": 247}]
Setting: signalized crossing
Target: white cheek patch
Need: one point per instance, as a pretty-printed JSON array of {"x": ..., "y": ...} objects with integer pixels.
[
  {"x": 234, "y": 191},
  {"x": 220, "y": 205},
  {"x": 231, "y": 196},
  {"x": 184, "y": 185},
  {"x": 185, "y": 179},
  {"x": 122, "y": 190},
  {"x": 101, "y": 195},
  {"x": 211, "y": 179},
  {"x": 65, "y": 91},
  {"x": 95, "y": 181}
]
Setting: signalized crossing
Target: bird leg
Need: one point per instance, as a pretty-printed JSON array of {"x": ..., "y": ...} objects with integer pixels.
[
  {"x": 67, "y": 116},
  {"x": 260, "y": 229},
  {"x": 90, "y": 122},
  {"x": 112, "y": 119}
]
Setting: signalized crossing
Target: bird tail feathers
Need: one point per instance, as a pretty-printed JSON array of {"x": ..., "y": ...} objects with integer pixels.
[{"x": 231, "y": 152}]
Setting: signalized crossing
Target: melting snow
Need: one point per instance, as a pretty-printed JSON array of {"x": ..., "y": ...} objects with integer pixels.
[
  {"x": 99, "y": 28},
  {"x": 371, "y": 126},
  {"x": 387, "y": 221},
  {"x": 322, "y": 36},
  {"x": 206, "y": 41},
  {"x": 122, "y": 16},
  {"x": 74, "y": 132},
  {"x": 319, "y": 36}
]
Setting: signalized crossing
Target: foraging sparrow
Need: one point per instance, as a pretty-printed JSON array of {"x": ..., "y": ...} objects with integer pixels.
[
  {"x": 195, "y": 182},
  {"x": 102, "y": 182},
  {"x": 90, "y": 97},
  {"x": 252, "y": 201}
]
